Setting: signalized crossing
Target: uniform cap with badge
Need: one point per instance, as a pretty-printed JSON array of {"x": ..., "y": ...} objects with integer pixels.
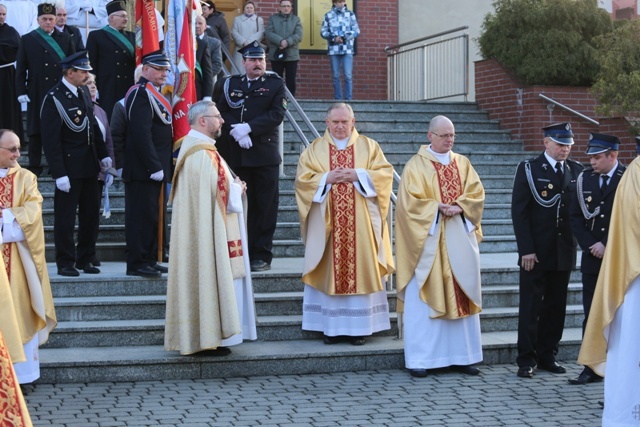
[
  {"x": 78, "y": 60},
  {"x": 156, "y": 59},
  {"x": 46, "y": 9},
  {"x": 600, "y": 143},
  {"x": 252, "y": 50},
  {"x": 560, "y": 133},
  {"x": 115, "y": 6}
]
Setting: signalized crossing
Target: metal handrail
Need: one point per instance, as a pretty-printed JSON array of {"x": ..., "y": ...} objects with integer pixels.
[
  {"x": 432, "y": 36},
  {"x": 570, "y": 110}
]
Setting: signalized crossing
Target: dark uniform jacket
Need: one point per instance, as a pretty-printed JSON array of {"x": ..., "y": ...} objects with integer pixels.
[
  {"x": 204, "y": 71},
  {"x": 148, "y": 147},
  {"x": 113, "y": 64},
  {"x": 263, "y": 107},
  {"x": 76, "y": 37},
  {"x": 71, "y": 138},
  {"x": 37, "y": 57},
  {"x": 589, "y": 231},
  {"x": 542, "y": 227}
]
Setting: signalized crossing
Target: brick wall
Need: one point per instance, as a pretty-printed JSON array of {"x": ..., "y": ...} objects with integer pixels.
[
  {"x": 521, "y": 111},
  {"x": 378, "y": 22}
]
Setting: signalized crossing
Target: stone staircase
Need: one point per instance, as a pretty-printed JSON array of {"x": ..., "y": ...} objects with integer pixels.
[{"x": 111, "y": 326}]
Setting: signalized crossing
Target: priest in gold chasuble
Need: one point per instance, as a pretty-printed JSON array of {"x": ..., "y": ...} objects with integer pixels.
[
  {"x": 210, "y": 302},
  {"x": 611, "y": 346},
  {"x": 23, "y": 256},
  {"x": 343, "y": 185},
  {"x": 440, "y": 203}
]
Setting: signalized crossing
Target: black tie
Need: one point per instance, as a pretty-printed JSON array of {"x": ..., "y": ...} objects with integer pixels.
[
  {"x": 603, "y": 187},
  {"x": 559, "y": 170}
]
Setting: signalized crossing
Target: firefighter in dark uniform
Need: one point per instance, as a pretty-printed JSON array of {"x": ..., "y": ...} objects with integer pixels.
[
  {"x": 75, "y": 151},
  {"x": 543, "y": 190},
  {"x": 37, "y": 71},
  {"x": 253, "y": 105},
  {"x": 590, "y": 216},
  {"x": 113, "y": 57},
  {"x": 147, "y": 164}
]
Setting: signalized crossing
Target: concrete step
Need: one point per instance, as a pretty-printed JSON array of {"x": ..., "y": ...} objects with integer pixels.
[
  {"x": 257, "y": 358},
  {"x": 141, "y": 307},
  {"x": 280, "y": 327}
]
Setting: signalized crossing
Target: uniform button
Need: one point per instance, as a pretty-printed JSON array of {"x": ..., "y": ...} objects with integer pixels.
[
  {"x": 601, "y": 215},
  {"x": 46, "y": 64},
  {"x": 603, "y": 229}
]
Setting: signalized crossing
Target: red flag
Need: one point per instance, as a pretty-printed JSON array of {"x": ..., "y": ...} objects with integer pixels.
[
  {"x": 147, "y": 40},
  {"x": 179, "y": 46}
]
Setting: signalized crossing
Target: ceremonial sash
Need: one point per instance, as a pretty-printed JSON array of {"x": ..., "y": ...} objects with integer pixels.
[
  {"x": 119, "y": 38},
  {"x": 51, "y": 42},
  {"x": 159, "y": 98}
]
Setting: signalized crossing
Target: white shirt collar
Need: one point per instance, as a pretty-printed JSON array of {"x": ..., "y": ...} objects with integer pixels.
[
  {"x": 71, "y": 87},
  {"x": 197, "y": 134},
  {"x": 553, "y": 161}
]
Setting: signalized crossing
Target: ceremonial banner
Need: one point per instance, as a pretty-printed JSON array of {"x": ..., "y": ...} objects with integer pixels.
[
  {"x": 146, "y": 29},
  {"x": 179, "y": 46}
]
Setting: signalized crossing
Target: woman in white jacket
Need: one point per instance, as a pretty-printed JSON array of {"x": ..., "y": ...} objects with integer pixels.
[{"x": 247, "y": 28}]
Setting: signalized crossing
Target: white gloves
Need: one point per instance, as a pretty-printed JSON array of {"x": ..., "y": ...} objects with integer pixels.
[
  {"x": 239, "y": 130},
  {"x": 106, "y": 162},
  {"x": 157, "y": 176},
  {"x": 108, "y": 180},
  {"x": 119, "y": 172},
  {"x": 245, "y": 142},
  {"x": 23, "y": 99},
  {"x": 63, "y": 184},
  {"x": 206, "y": 98}
]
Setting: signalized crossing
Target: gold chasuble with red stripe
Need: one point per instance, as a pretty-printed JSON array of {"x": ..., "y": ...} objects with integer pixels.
[
  {"x": 13, "y": 410},
  {"x": 346, "y": 236},
  {"x": 343, "y": 211},
  {"x": 446, "y": 262}
]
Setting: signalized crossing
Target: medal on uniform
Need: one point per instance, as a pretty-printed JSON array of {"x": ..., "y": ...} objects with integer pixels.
[
  {"x": 588, "y": 199},
  {"x": 550, "y": 186},
  {"x": 544, "y": 193}
]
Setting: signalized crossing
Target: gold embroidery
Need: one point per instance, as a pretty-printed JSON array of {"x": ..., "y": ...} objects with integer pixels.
[{"x": 343, "y": 212}]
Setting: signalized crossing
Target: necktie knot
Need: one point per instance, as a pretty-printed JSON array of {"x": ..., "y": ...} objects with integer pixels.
[{"x": 605, "y": 179}]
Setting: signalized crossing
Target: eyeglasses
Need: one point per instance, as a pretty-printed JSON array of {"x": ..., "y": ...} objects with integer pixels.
[
  {"x": 123, "y": 15},
  {"x": 285, "y": 5},
  {"x": 217, "y": 116},
  {"x": 161, "y": 69},
  {"x": 12, "y": 149},
  {"x": 445, "y": 135}
]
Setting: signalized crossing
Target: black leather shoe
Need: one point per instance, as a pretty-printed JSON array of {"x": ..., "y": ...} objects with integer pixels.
[
  {"x": 553, "y": 367},
  {"x": 68, "y": 271},
  {"x": 95, "y": 262},
  {"x": 216, "y": 352},
  {"x": 260, "y": 265},
  {"x": 331, "y": 340},
  {"x": 585, "y": 377},
  {"x": 525, "y": 372},
  {"x": 358, "y": 340},
  {"x": 160, "y": 268},
  {"x": 465, "y": 369},
  {"x": 145, "y": 271},
  {"x": 89, "y": 269},
  {"x": 418, "y": 373}
]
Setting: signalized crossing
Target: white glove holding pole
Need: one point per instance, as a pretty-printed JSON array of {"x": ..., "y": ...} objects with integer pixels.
[
  {"x": 23, "y": 99},
  {"x": 63, "y": 184},
  {"x": 245, "y": 142},
  {"x": 106, "y": 162},
  {"x": 157, "y": 176},
  {"x": 240, "y": 130}
]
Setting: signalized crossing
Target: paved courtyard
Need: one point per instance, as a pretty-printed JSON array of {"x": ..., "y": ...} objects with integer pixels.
[{"x": 371, "y": 398}]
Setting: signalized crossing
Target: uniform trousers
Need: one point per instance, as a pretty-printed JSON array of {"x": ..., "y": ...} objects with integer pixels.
[
  {"x": 588, "y": 289},
  {"x": 84, "y": 198},
  {"x": 35, "y": 153},
  {"x": 142, "y": 201},
  {"x": 543, "y": 304},
  {"x": 287, "y": 70},
  {"x": 262, "y": 197}
]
